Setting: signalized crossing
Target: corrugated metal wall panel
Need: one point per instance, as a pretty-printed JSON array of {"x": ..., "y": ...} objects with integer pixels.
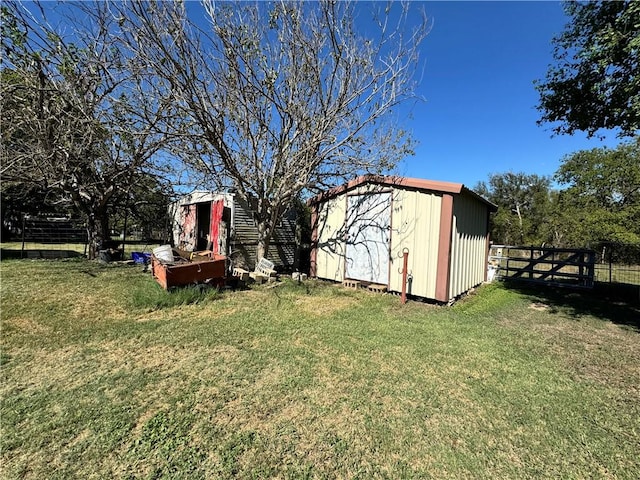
[
  {"x": 415, "y": 225},
  {"x": 468, "y": 244},
  {"x": 245, "y": 239},
  {"x": 243, "y": 255},
  {"x": 245, "y": 226},
  {"x": 330, "y": 250}
]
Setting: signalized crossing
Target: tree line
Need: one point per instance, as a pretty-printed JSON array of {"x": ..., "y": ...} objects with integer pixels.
[
  {"x": 593, "y": 197},
  {"x": 110, "y": 107},
  {"x": 103, "y": 102}
]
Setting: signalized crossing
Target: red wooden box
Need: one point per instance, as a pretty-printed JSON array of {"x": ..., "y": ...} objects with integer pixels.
[{"x": 188, "y": 273}]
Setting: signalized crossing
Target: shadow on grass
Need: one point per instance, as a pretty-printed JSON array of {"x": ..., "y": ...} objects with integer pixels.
[
  {"x": 6, "y": 254},
  {"x": 617, "y": 304}
]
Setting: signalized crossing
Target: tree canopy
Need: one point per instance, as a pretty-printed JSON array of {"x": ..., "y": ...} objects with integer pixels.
[
  {"x": 595, "y": 83},
  {"x": 597, "y": 200},
  {"x": 280, "y": 97},
  {"x": 602, "y": 199},
  {"x": 523, "y": 202},
  {"x": 75, "y": 123}
]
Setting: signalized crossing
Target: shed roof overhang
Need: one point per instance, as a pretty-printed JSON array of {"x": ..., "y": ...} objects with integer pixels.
[{"x": 401, "y": 182}]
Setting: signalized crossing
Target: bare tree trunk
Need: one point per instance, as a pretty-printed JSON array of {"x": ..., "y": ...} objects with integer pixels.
[
  {"x": 520, "y": 223},
  {"x": 92, "y": 239},
  {"x": 97, "y": 233},
  {"x": 264, "y": 239}
]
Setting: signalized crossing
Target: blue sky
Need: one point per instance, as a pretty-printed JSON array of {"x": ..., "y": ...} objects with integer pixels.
[{"x": 480, "y": 60}]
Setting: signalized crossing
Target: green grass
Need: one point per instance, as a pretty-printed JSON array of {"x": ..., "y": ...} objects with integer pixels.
[{"x": 104, "y": 375}]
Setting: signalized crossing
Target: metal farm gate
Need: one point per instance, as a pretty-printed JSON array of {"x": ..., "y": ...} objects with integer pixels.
[{"x": 574, "y": 267}]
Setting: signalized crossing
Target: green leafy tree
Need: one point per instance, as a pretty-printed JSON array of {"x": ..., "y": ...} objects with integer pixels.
[
  {"x": 595, "y": 83},
  {"x": 523, "y": 202},
  {"x": 602, "y": 198}
]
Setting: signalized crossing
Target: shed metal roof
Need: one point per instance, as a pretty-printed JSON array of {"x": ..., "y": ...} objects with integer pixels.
[{"x": 404, "y": 182}]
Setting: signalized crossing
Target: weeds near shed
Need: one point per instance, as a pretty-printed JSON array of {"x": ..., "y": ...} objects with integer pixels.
[{"x": 151, "y": 296}]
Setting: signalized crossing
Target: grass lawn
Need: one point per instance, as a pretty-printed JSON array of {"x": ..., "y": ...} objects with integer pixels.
[{"x": 104, "y": 375}]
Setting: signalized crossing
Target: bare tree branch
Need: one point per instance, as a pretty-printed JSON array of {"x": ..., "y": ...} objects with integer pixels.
[
  {"x": 281, "y": 97},
  {"x": 75, "y": 120}
]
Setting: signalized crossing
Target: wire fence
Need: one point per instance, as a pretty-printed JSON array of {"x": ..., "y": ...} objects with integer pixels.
[
  {"x": 617, "y": 263},
  {"x": 44, "y": 237},
  {"x": 53, "y": 237}
]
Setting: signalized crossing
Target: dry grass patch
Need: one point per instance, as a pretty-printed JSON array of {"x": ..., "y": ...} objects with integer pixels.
[
  {"x": 41, "y": 369},
  {"x": 96, "y": 309},
  {"x": 309, "y": 305},
  {"x": 585, "y": 345},
  {"x": 27, "y": 325},
  {"x": 608, "y": 355}
]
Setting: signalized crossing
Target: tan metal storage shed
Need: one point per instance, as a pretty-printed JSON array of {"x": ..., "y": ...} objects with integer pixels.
[{"x": 361, "y": 229}]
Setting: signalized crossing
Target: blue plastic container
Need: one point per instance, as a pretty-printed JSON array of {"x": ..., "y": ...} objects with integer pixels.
[{"x": 141, "y": 257}]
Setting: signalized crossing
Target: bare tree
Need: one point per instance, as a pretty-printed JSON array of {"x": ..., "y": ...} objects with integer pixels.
[
  {"x": 74, "y": 119},
  {"x": 282, "y": 97}
]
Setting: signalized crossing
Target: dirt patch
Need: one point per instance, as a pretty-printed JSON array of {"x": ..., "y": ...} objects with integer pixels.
[{"x": 27, "y": 325}]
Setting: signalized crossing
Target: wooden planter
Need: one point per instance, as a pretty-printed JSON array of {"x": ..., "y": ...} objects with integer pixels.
[{"x": 211, "y": 271}]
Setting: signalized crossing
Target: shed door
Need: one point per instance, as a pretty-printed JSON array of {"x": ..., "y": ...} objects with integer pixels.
[
  {"x": 187, "y": 237},
  {"x": 368, "y": 221}
]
